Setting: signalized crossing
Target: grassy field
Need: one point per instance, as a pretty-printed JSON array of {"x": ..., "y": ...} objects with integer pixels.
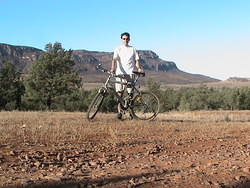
[{"x": 55, "y": 127}]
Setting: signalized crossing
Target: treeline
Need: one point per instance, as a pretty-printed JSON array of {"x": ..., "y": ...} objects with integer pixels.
[
  {"x": 202, "y": 98},
  {"x": 53, "y": 84}
]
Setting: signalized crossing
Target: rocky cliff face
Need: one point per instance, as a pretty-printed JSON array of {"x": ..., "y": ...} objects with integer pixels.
[
  {"x": 151, "y": 61},
  {"x": 86, "y": 61},
  {"x": 21, "y": 56}
]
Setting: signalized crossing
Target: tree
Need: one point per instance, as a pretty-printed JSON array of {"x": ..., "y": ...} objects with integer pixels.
[
  {"x": 11, "y": 87},
  {"x": 214, "y": 99},
  {"x": 153, "y": 86},
  {"x": 243, "y": 98},
  {"x": 170, "y": 99},
  {"x": 199, "y": 98},
  {"x": 185, "y": 99},
  {"x": 230, "y": 98},
  {"x": 52, "y": 78}
]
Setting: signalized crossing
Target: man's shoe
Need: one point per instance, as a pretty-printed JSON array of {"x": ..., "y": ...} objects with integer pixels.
[
  {"x": 130, "y": 116},
  {"x": 119, "y": 116}
]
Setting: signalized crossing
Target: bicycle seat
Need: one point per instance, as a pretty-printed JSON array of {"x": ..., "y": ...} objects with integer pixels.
[{"x": 140, "y": 74}]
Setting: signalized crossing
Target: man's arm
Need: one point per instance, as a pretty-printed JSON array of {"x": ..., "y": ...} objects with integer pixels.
[
  {"x": 138, "y": 66},
  {"x": 113, "y": 66}
]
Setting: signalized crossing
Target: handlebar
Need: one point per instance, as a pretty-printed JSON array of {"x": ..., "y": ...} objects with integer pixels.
[
  {"x": 140, "y": 74},
  {"x": 99, "y": 67}
]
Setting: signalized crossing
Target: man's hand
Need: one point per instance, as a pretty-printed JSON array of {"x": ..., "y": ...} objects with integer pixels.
[{"x": 140, "y": 70}]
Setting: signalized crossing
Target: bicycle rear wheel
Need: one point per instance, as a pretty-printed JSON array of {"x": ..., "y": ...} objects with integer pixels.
[
  {"x": 145, "y": 106},
  {"x": 95, "y": 105}
]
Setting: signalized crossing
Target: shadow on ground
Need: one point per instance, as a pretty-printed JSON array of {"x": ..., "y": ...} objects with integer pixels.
[{"x": 122, "y": 181}]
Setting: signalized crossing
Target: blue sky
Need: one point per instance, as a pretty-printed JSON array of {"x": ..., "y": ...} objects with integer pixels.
[{"x": 209, "y": 37}]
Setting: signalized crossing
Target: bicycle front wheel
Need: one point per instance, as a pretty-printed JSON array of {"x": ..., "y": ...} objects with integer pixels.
[
  {"x": 145, "y": 106},
  {"x": 95, "y": 105}
]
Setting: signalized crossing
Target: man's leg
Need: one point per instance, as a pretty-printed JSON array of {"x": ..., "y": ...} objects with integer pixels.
[
  {"x": 119, "y": 108},
  {"x": 119, "y": 90},
  {"x": 130, "y": 79}
]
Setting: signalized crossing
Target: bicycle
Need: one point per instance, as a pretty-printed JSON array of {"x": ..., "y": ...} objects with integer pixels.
[{"x": 143, "y": 105}]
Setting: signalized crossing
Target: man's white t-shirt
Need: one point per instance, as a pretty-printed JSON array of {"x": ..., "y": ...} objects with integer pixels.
[{"x": 125, "y": 57}]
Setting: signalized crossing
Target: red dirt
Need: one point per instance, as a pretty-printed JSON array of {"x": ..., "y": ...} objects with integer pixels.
[{"x": 175, "y": 159}]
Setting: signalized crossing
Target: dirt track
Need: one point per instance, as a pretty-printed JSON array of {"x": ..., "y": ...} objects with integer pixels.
[{"x": 179, "y": 150}]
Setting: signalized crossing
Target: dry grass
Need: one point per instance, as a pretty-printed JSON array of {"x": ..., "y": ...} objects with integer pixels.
[
  {"x": 203, "y": 146},
  {"x": 210, "y": 116},
  {"x": 53, "y": 128}
]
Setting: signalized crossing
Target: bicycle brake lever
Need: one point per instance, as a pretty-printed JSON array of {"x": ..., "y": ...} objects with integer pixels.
[{"x": 99, "y": 66}]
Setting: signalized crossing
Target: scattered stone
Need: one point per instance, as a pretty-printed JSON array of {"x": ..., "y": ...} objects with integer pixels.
[
  {"x": 193, "y": 165},
  {"x": 25, "y": 182},
  {"x": 246, "y": 169},
  {"x": 52, "y": 177},
  {"x": 64, "y": 159},
  {"x": 26, "y": 157},
  {"x": 132, "y": 181},
  {"x": 245, "y": 145},
  {"x": 104, "y": 160},
  {"x": 37, "y": 164},
  {"x": 13, "y": 153},
  {"x": 60, "y": 173},
  {"x": 93, "y": 163},
  {"x": 238, "y": 178},
  {"x": 78, "y": 173},
  {"x": 59, "y": 157}
]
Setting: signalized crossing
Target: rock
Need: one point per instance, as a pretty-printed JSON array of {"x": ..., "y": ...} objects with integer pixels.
[
  {"x": 103, "y": 160},
  {"x": 246, "y": 169},
  {"x": 64, "y": 159},
  {"x": 25, "y": 182},
  {"x": 209, "y": 164},
  {"x": 37, "y": 164},
  {"x": 26, "y": 157},
  {"x": 12, "y": 153},
  {"x": 245, "y": 145},
  {"x": 193, "y": 165},
  {"x": 60, "y": 173},
  {"x": 132, "y": 181},
  {"x": 78, "y": 173},
  {"x": 59, "y": 157},
  {"x": 93, "y": 163},
  {"x": 52, "y": 177},
  {"x": 207, "y": 183},
  {"x": 238, "y": 178}
]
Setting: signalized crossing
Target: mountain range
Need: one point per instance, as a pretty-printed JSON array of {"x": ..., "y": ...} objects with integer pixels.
[{"x": 160, "y": 70}]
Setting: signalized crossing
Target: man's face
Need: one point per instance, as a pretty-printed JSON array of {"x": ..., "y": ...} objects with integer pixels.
[{"x": 125, "y": 40}]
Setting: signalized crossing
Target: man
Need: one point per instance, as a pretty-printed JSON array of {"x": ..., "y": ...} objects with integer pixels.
[{"x": 125, "y": 60}]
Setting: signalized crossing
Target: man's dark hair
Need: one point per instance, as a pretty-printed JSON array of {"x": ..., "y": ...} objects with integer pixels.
[{"x": 126, "y": 34}]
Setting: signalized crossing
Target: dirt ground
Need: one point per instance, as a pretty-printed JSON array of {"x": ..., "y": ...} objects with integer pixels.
[{"x": 189, "y": 149}]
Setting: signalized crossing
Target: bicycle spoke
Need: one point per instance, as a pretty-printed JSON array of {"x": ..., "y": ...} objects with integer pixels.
[
  {"x": 145, "y": 106},
  {"x": 95, "y": 106}
]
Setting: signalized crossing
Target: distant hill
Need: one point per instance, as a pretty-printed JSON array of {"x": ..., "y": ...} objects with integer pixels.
[
  {"x": 237, "y": 79},
  {"x": 23, "y": 57},
  {"x": 85, "y": 62}
]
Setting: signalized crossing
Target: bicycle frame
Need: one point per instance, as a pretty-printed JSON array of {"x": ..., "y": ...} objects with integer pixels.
[{"x": 107, "y": 86}]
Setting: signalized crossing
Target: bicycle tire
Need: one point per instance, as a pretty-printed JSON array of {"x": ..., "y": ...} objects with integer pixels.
[
  {"x": 95, "y": 105},
  {"x": 145, "y": 106}
]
